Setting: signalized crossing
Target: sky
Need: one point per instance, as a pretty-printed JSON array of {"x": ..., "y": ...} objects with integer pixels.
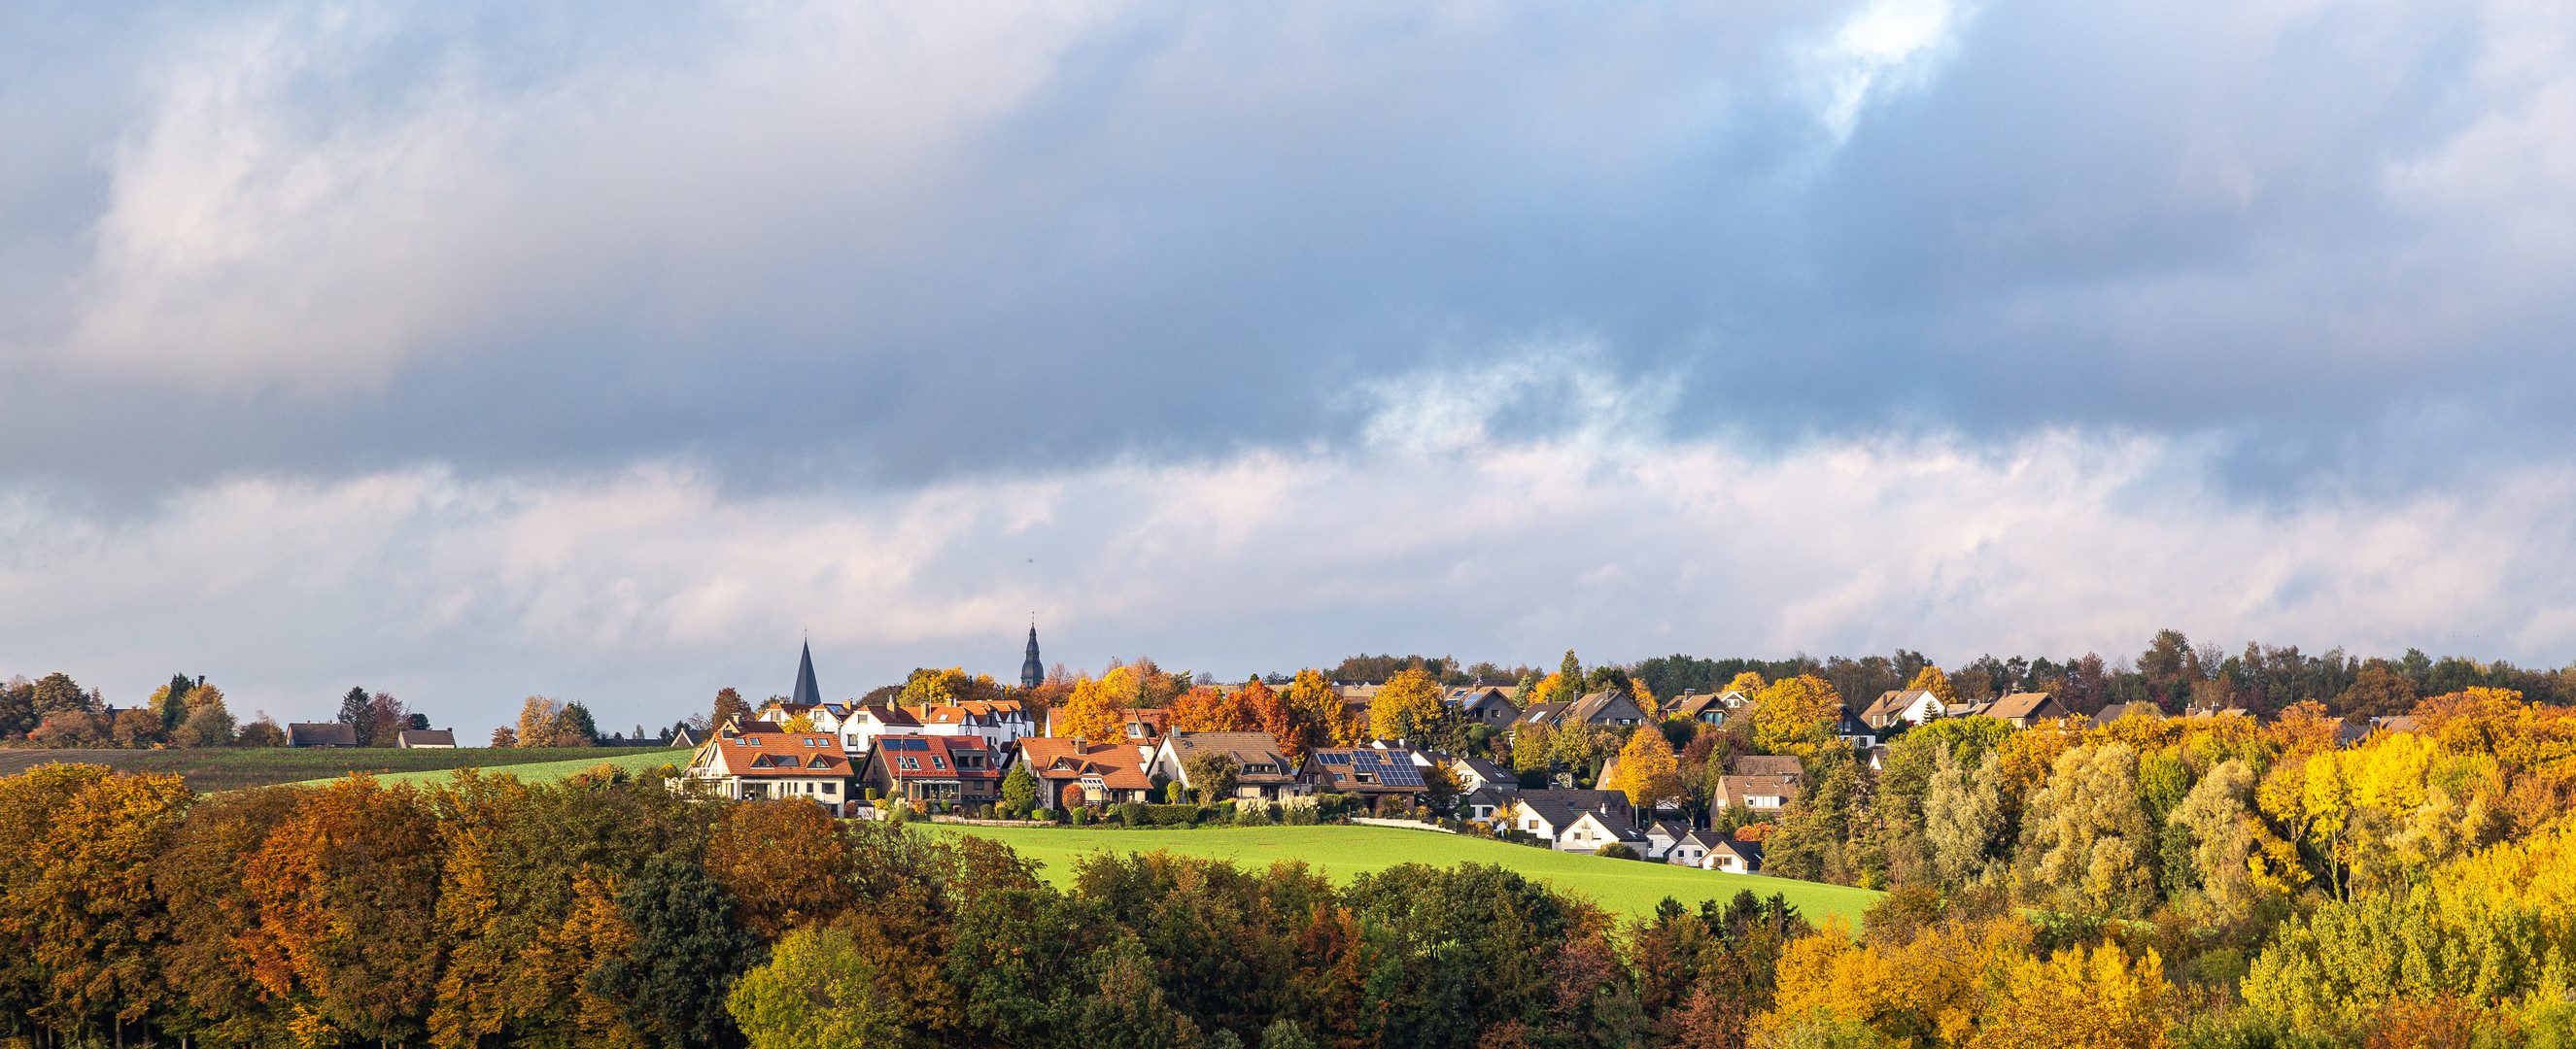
[{"x": 478, "y": 350}]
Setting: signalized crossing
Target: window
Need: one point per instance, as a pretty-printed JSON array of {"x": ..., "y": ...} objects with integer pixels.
[
  {"x": 912, "y": 763},
  {"x": 831, "y": 788},
  {"x": 753, "y": 740},
  {"x": 936, "y": 763}
]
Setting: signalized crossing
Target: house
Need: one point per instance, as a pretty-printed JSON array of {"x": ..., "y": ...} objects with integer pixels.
[
  {"x": 1592, "y": 830},
  {"x": 1903, "y": 706},
  {"x": 1611, "y": 803},
  {"x": 1759, "y": 793},
  {"x": 1611, "y": 709},
  {"x": 687, "y": 737},
  {"x": 1476, "y": 774},
  {"x": 1733, "y": 857},
  {"x": 1661, "y": 836},
  {"x": 426, "y": 739},
  {"x": 2026, "y": 709},
  {"x": 861, "y": 725},
  {"x": 1387, "y": 778},
  {"x": 2119, "y": 711},
  {"x": 998, "y": 723},
  {"x": 1769, "y": 765},
  {"x": 2400, "y": 723},
  {"x": 1711, "y": 708},
  {"x": 1569, "y": 827},
  {"x": 2350, "y": 734},
  {"x": 320, "y": 734},
  {"x": 1849, "y": 728},
  {"x": 1261, "y": 771},
  {"x": 1483, "y": 705},
  {"x": 1691, "y": 848},
  {"x": 758, "y": 759},
  {"x": 954, "y": 769},
  {"x": 1485, "y": 803},
  {"x": 1105, "y": 773}
]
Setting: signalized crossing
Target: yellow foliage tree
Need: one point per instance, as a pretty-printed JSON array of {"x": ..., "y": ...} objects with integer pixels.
[
  {"x": 799, "y": 723},
  {"x": 1644, "y": 766},
  {"x": 1746, "y": 682},
  {"x": 1927, "y": 991},
  {"x": 1094, "y": 710},
  {"x": 2078, "y": 999},
  {"x": 1408, "y": 708},
  {"x": 1931, "y": 679},
  {"x": 1796, "y": 715}
]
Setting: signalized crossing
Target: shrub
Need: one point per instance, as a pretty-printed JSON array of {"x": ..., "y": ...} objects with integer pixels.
[
  {"x": 1168, "y": 815},
  {"x": 1252, "y": 814},
  {"x": 1617, "y": 850},
  {"x": 1303, "y": 810},
  {"x": 1133, "y": 813}
]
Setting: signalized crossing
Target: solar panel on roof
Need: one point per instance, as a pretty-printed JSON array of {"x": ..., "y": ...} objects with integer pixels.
[{"x": 1335, "y": 759}]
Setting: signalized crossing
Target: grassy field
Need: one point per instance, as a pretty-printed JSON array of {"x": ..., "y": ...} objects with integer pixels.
[
  {"x": 632, "y": 760},
  {"x": 211, "y": 770},
  {"x": 1626, "y": 886}
]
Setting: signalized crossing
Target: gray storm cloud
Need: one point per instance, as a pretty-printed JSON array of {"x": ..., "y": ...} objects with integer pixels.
[{"x": 612, "y": 342}]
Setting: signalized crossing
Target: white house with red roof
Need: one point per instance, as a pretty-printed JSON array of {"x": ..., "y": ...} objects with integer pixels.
[{"x": 757, "y": 759}]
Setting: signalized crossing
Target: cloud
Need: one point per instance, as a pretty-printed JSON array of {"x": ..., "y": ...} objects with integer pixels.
[
  {"x": 795, "y": 239},
  {"x": 646, "y": 588}
]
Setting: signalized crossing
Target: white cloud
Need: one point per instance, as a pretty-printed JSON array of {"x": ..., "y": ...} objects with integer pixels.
[{"x": 647, "y": 587}]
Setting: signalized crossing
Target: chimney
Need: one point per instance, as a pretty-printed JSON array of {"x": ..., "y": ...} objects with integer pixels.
[{"x": 1080, "y": 744}]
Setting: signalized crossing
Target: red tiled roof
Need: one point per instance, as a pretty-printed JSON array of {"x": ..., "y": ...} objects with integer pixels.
[
  {"x": 1058, "y": 760},
  {"x": 935, "y": 757},
  {"x": 760, "y": 749}
]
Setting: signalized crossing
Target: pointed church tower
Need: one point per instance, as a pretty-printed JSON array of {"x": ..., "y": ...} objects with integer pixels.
[
  {"x": 807, "y": 694},
  {"x": 1032, "y": 671}
]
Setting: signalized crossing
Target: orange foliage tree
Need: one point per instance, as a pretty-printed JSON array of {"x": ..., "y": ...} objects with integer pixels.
[
  {"x": 1209, "y": 709},
  {"x": 348, "y": 897}
]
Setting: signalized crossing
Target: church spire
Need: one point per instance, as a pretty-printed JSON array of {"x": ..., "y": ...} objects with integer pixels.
[
  {"x": 807, "y": 694},
  {"x": 1032, "y": 670}
]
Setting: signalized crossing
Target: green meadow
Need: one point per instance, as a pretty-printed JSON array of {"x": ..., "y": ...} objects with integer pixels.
[
  {"x": 1625, "y": 886},
  {"x": 224, "y": 768}
]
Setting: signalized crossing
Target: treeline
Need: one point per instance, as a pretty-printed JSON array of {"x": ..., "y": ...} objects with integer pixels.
[
  {"x": 604, "y": 911},
  {"x": 2171, "y": 673},
  {"x": 55, "y": 711}
]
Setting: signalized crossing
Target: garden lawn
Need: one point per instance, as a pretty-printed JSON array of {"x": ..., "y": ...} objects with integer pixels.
[
  {"x": 1625, "y": 886},
  {"x": 226, "y": 768},
  {"x": 632, "y": 760}
]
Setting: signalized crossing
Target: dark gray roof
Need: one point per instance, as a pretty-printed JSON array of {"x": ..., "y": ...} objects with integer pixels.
[
  {"x": 1768, "y": 765},
  {"x": 426, "y": 737},
  {"x": 320, "y": 734},
  {"x": 1493, "y": 773},
  {"x": 807, "y": 694}
]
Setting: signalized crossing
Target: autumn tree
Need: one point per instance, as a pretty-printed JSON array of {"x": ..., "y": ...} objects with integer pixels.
[
  {"x": 1931, "y": 679},
  {"x": 2078, "y": 999},
  {"x": 729, "y": 706},
  {"x": 1646, "y": 765},
  {"x": 2089, "y": 841},
  {"x": 200, "y": 877},
  {"x": 93, "y": 921},
  {"x": 1209, "y": 709},
  {"x": 1796, "y": 716},
  {"x": 1408, "y": 708},
  {"x": 782, "y": 862},
  {"x": 1212, "y": 775},
  {"x": 348, "y": 896},
  {"x": 1096, "y": 709}
]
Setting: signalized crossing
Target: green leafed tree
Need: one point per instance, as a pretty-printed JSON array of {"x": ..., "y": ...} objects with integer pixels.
[
  {"x": 816, "y": 992},
  {"x": 687, "y": 953}
]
